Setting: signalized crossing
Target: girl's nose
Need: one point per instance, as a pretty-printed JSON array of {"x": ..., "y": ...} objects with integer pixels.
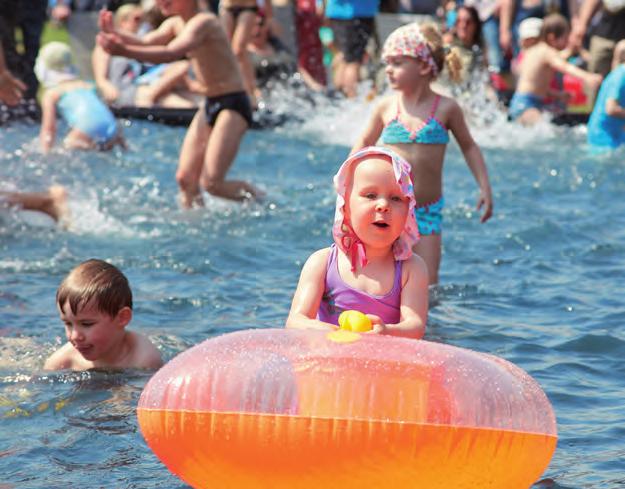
[{"x": 381, "y": 204}]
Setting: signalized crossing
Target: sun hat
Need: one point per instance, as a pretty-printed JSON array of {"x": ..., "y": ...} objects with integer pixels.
[
  {"x": 408, "y": 40},
  {"x": 54, "y": 64},
  {"x": 345, "y": 237},
  {"x": 530, "y": 27}
]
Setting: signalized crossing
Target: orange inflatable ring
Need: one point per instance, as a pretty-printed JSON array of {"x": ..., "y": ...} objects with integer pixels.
[{"x": 278, "y": 409}]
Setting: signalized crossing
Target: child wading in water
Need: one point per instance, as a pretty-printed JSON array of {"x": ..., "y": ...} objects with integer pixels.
[
  {"x": 370, "y": 267},
  {"x": 540, "y": 63},
  {"x": 213, "y": 138},
  {"x": 95, "y": 304},
  {"x": 92, "y": 124},
  {"x": 415, "y": 123}
]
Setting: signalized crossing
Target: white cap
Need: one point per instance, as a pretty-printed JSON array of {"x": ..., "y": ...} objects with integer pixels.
[{"x": 530, "y": 27}]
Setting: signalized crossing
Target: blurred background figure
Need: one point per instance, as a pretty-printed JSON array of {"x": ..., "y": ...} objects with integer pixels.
[
  {"x": 28, "y": 17},
  {"x": 352, "y": 23}
]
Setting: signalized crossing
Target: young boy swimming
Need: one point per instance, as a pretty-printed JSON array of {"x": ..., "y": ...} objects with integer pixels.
[{"x": 95, "y": 304}]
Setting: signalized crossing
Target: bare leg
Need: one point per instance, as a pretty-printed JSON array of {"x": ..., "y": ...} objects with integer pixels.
[
  {"x": 227, "y": 20},
  {"x": 240, "y": 40},
  {"x": 351, "y": 75},
  {"x": 191, "y": 160},
  {"x": 220, "y": 153},
  {"x": 172, "y": 77},
  {"x": 429, "y": 248},
  {"x": 76, "y": 139},
  {"x": 53, "y": 202},
  {"x": 530, "y": 117}
]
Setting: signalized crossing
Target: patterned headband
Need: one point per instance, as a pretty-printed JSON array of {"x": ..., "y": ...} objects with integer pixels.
[{"x": 408, "y": 40}]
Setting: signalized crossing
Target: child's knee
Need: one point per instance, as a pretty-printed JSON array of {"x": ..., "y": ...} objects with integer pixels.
[{"x": 185, "y": 180}]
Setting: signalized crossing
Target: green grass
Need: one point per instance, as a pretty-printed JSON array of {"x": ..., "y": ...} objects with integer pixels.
[{"x": 54, "y": 32}]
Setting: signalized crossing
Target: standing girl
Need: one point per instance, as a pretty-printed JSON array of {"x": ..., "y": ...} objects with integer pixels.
[
  {"x": 415, "y": 122},
  {"x": 370, "y": 267},
  {"x": 239, "y": 20}
]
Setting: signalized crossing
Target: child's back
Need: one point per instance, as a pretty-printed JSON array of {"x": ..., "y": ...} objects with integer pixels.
[
  {"x": 79, "y": 105},
  {"x": 535, "y": 70}
]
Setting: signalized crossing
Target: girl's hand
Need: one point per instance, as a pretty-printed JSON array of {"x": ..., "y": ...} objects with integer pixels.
[
  {"x": 485, "y": 201},
  {"x": 378, "y": 326},
  {"x": 111, "y": 43},
  {"x": 105, "y": 21}
]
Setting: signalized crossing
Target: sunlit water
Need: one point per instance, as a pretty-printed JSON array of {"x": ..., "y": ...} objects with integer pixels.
[{"x": 541, "y": 284}]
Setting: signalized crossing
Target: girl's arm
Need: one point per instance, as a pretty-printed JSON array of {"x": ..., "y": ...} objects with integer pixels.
[
  {"x": 48, "y": 120},
  {"x": 308, "y": 294},
  {"x": 414, "y": 301},
  {"x": 100, "y": 60},
  {"x": 371, "y": 134},
  {"x": 474, "y": 158}
]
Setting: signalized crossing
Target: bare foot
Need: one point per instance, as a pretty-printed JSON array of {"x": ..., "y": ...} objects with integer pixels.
[{"x": 57, "y": 207}]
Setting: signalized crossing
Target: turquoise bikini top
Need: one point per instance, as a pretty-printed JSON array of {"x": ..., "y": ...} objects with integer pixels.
[{"x": 432, "y": 131}]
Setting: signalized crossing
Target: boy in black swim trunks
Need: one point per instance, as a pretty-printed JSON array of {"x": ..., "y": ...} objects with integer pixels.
[
  {"x": 213, "y": 138},
  {"x": 239, "y": 20}
]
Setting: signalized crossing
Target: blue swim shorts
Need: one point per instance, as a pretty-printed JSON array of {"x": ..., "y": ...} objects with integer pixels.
[
  {"x": 521, "y": 102},
  {"x": 430, "y": 217}
]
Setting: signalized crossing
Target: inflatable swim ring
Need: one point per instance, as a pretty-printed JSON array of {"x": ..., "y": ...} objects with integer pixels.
[{"x": 279, "y": 408}]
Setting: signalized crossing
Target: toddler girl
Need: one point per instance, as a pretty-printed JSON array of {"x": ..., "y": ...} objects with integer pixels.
[{"x": 370, "y": 267}]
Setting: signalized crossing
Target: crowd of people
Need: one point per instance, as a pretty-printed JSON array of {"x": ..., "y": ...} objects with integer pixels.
[{"x": 388, "y": 225}]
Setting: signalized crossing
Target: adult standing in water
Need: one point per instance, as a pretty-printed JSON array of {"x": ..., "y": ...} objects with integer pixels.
[{"x": 352, "y": 22}]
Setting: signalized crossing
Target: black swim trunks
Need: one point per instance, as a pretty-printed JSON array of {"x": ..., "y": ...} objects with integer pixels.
[
  {"x": 237, "y": 101},
  {"x": 236, "y": 11},
  {"x": 351, "y": 36}
]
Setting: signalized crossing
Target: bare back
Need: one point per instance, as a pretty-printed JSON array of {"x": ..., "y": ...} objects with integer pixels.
[
  {"x": 213, "y": 62},
  {"x": 536, "y": 71}
]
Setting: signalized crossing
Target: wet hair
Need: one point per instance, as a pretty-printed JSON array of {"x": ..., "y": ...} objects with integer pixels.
[
  {"x": 555, "y": 24},
  {"x": 475, "y": 18},
  {"x": 98, "y": 281},
  {"x": 443, "y": 55}
]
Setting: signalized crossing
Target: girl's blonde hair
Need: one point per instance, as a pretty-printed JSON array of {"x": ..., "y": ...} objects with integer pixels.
[
  {"x": 124, "y": 12},
  {"x": 443, "y": 56}
]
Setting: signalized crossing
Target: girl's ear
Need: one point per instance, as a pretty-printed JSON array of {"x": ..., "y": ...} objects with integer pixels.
[{"x": 424, "y": 69}]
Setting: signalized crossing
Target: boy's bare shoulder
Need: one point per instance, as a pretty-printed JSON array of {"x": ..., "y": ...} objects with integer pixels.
[
  {"x": 204, "y": 19},
  {"x": 145, "y": 354}
]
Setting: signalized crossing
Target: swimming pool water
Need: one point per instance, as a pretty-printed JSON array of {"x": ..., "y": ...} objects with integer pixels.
[{"x": 542, "y": 284}]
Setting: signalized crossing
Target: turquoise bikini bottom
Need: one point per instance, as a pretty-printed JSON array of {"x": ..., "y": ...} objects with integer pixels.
[{"x": 430, "y": 217}]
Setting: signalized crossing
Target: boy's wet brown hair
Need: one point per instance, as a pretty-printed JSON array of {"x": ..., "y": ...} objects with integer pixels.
[
  {"x": 555, "y": 24},
  {"x": 97, "y": 281}
]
